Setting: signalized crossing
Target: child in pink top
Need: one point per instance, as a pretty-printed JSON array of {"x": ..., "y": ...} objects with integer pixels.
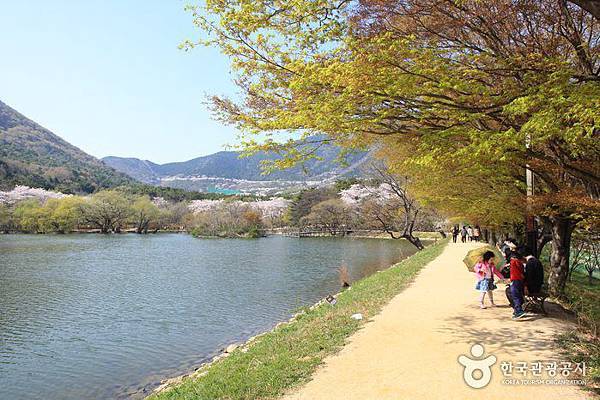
[{"x": 485, "y": 271}]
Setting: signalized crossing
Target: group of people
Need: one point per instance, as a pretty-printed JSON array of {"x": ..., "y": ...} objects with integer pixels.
[
  {"x": 525, "y": 272},
  {"x": 466, "y": 233}
]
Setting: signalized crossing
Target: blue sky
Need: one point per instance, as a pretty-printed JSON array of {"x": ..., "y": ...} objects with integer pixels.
[{"x": 107, "y": 76}]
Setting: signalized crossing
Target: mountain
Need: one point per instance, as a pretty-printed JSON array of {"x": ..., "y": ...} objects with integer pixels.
[
  {"x": 141, "y": 170},
  {"x": 226, "y": 172},
  {"x": 32, "y": 155}
]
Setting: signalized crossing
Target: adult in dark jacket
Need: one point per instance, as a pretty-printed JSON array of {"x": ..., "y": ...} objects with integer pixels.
[
  {"x": 455, "y": 232},
  {"x": 534, "y": 275}
]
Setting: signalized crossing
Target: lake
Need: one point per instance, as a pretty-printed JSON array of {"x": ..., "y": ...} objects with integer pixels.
[{"x": 90, "y": 316}]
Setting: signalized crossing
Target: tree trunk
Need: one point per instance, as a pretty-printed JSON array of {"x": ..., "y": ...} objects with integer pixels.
[
  {"x": 544, "y": 235},
  {"x": 562, "y": 229},
  {"x": 591, "y": 277},
  {"x": 493, "y": 238},
  {"x": 415, "y": 241}
]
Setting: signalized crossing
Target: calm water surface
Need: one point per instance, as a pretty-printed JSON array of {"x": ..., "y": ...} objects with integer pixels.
[{"x": 91, "y": 316}]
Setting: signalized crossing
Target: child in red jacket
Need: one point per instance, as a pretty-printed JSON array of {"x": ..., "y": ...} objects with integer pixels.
[{"x": 517, "y": 278}]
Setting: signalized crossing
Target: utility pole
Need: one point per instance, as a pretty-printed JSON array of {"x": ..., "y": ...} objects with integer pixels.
[{"x": 530, "y": 224}]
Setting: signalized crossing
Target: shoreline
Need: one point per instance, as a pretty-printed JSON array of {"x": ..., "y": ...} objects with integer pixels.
[
  {"x": 425, "y": 236},
  {"x": 307, "y": 312},
  {"x": 243, "y": 346}
]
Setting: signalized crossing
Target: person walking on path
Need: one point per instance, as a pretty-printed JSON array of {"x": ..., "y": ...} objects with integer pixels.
[
  {"x": 470, "y": 233},
  {"x": 476, "y": 233},
  {"x": 455, "y": 232},
  {"x": 485, "y": 271},
  {"x": 463, "y": 234},
  {"x": 517, "y": 278}
]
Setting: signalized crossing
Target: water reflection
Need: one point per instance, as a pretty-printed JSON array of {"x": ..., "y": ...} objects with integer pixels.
[{"x": 90, "y": 316}]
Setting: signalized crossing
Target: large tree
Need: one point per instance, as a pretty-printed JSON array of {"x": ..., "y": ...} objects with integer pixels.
[
  {"x": 143, "y": 212},
  {"x": 107, "y": 210},
  {"x": 465, "y": 95}
]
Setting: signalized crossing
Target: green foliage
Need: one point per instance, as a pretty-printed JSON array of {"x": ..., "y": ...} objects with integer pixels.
[
  {"x": 31, "y": 216},
  {"x": 143, "y": 212},
  {"x": 460, "y": 96},
  {"x": 67, "y": 213},
  {"x": 6, "y": 219},
  {"x": 345, "y": 183},
  {"x": 107, "y": 210}
]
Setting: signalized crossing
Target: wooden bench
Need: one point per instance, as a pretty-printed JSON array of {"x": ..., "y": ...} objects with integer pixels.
[{"x": 534, "y": 302}]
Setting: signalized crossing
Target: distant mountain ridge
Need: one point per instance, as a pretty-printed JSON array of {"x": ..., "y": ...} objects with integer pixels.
[
  {"x": 226, "y": 170},
  {"x": 32, "y": 155}
]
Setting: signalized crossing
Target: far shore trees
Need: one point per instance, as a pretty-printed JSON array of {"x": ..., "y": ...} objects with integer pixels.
[
  {"x": 463, "y": 96},
  {"x": 227, "y": 219},
  {"x": 331, "y": 215},
  {"x": 67, "y": 213},
  {"x": 30, "y": 215},
  {"x": 143, "y": 213},
  {"x": 303, "y": 202},
  {"x": 107, "y": 210},
  {"x": 6, "y": 219}
]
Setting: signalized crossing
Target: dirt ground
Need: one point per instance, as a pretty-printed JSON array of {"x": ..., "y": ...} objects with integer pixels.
[{"x": 411, "y": 349}]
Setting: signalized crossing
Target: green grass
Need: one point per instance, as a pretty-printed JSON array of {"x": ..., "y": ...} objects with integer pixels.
[
  {"x": 287, "y": 356},
  {"x": 582, "y": 344},
  {"x": 584, "y": 299},
  {"x": 578, "y": 347},
  {"x": 581, "y": 297}
]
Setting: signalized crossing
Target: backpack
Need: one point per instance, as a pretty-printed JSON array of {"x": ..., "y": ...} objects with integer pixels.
[{"x": 505, "y": 272}]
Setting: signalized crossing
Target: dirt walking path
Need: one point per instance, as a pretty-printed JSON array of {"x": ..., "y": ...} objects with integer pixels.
[{"x": 411, "y": 349}]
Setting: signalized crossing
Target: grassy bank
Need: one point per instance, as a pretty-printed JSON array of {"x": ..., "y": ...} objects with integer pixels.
[
  {"x": 583, "y": 344},
  {"x": 287, "y": 356}
]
